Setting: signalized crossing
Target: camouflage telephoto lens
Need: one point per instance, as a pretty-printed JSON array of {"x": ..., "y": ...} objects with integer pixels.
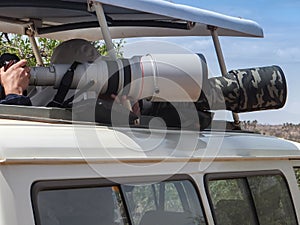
[{"x": 246, "y": 90}]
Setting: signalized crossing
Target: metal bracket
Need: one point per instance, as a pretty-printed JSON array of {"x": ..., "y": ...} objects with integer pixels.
[{"x": 154, "y": 69}]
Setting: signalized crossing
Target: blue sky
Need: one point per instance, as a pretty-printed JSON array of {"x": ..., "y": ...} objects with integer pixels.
[
  {"x": 280, "y": 46},
  {"x": 280, "y": 21}
]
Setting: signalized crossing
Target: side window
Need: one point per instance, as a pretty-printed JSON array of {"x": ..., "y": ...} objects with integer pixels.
[
  {"x": 250, "y": 200},
  {"x": 93, "y": 206},
  {"x": 80, "y": 202},
  {"x": 169, "y": 202},
  {"x": 232, "y": 202},
  {"x": 272, "y": 200}
]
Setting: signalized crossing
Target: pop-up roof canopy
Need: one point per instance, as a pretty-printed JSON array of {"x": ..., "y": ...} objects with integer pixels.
[{"x": 65, "y": 19}]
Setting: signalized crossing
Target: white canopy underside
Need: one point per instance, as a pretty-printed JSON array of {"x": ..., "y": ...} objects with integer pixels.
[{"x": 67, "y": 19}]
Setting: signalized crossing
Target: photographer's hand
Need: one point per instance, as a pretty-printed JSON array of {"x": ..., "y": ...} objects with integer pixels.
[
  {"x": 16, "y": 78},
  {"x": 135, "y": 108}
]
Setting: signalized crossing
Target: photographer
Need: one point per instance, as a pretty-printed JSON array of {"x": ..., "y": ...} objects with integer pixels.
[{"x": 14, "y": 79}]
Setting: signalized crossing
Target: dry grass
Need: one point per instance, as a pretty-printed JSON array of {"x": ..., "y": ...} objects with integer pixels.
[{"x": 287, "y": 130}]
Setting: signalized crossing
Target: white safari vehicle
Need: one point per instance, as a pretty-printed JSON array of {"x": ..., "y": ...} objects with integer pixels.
[{"x": 88, "y": 161}]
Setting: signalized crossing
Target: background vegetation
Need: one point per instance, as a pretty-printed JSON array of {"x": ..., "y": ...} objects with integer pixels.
[
  {"x": 20, "y": 45},
  {"x": 287, "y": 130}
]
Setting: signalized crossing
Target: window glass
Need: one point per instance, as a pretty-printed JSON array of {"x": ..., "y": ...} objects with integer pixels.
[
  {"x": 232, "y": 202},
  {"x": 92, "y": 206},
  {"x": 169, "y": 202},
  {"x": 272, "y": 200},
  {"x": 263, "y": 200},
  {"x": 297, "y": 174},
  {"x": 172, "y": 201}
]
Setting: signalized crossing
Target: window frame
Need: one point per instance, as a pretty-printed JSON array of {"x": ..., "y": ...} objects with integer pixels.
[
  {"x": 59, "y": 184},
  {"x": 244, "y": 174},
  {"x": 44, "y": 185}
]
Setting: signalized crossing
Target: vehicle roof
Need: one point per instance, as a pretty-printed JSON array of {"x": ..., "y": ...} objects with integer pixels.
[
  {"x": 28, "y": 142},
  {"x": 64, "y": 19}
]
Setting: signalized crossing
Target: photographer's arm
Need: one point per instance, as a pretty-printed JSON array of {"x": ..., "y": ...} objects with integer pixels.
[{"x": 13, "y": 99}]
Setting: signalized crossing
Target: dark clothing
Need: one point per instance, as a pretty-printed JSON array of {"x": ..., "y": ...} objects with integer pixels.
[{"x": 14, "y": 99}]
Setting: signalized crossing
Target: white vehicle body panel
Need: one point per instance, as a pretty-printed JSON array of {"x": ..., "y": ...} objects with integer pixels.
[{"x": 38, "y": 141}]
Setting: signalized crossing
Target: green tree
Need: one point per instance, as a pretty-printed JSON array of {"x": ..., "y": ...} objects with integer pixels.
[
  {"x": 100, "y": 45},
  {"x": 20, "y": 45}
]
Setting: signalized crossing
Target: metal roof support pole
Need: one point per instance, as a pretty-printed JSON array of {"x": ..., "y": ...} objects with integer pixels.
[
  {"x": 34, "y": 46},
  {"x": 105, "y": 30},
  {"x": 221, "y": 61},
  {"x": 36, "y": 51},
  {"x": 107, "y": 38}
]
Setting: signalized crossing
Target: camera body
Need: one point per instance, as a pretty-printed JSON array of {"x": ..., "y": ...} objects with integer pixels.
[
  {"x": 7, "y": 64},
  {"x": 7, "y": 60}
]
